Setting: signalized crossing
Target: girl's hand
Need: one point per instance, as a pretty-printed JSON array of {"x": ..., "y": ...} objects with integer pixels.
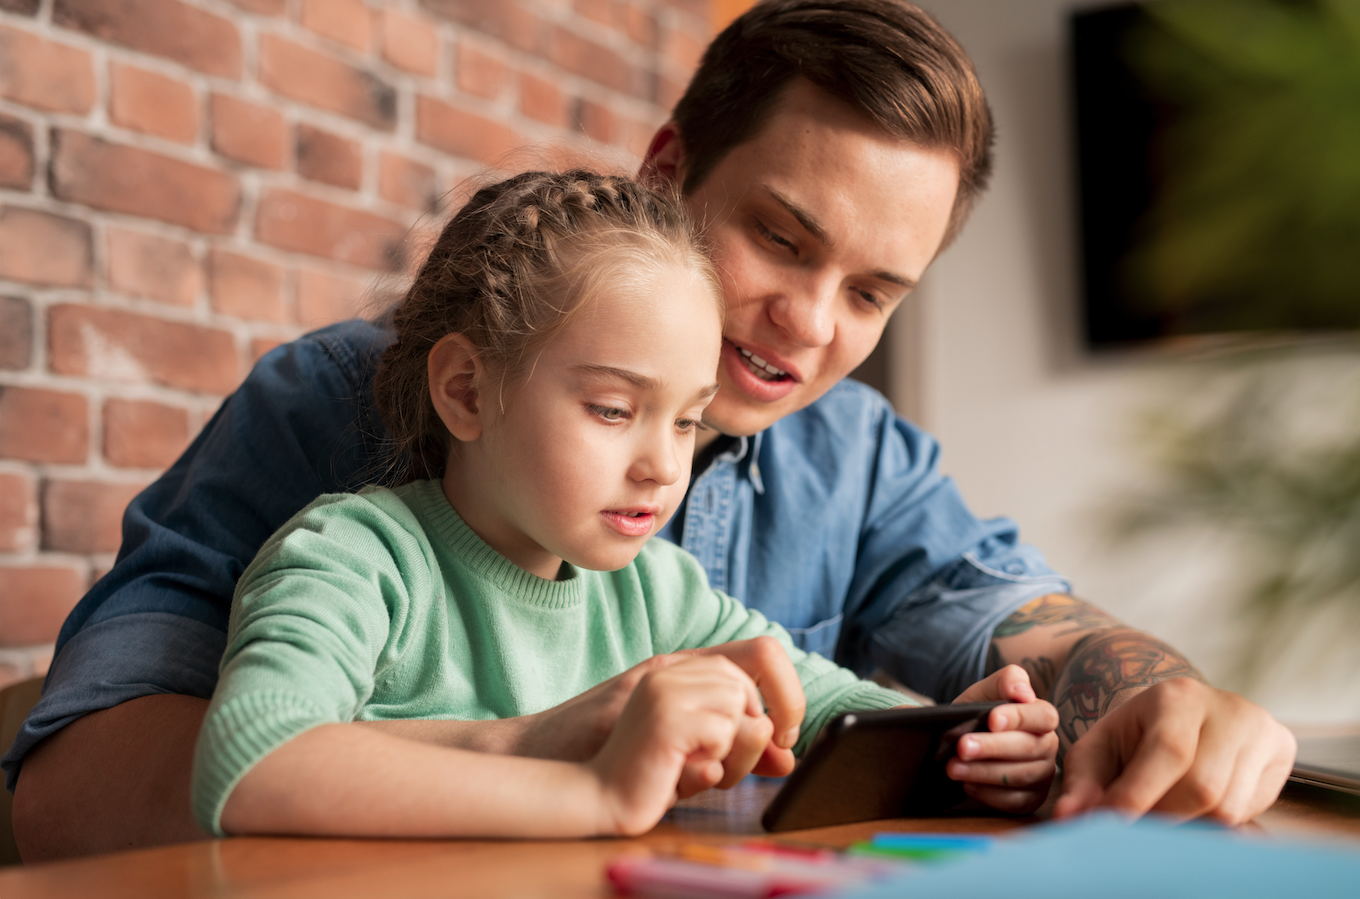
[
  {"x": 1010, "y": 768},
  {"x": 687, "y": 714}
]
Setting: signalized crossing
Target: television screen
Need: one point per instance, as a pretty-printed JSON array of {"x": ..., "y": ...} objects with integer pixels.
[{"x": 1219, "y": 153}]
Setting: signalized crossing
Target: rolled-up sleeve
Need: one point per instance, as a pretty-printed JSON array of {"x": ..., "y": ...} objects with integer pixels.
[{"x": 932, "y": 581}]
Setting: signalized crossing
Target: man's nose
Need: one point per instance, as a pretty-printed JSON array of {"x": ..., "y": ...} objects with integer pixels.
[{"x": 807, "y": 314}]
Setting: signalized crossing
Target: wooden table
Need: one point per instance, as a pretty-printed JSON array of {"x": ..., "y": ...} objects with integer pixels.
[{"x": 335, "y": 869}]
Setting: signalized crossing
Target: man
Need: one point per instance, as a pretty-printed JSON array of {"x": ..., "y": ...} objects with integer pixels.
[{"x": 829, "y": 148}]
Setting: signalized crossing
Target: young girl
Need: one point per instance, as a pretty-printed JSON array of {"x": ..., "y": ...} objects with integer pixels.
[{"x": 552, "y": 362}]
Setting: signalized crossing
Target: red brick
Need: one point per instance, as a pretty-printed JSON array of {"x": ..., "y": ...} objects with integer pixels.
[
  {"x": 407, "y": 182},
  {"x": 635, "y": 136},
  {"x": 44, "y": 74},
  {"x": 142, "y": 265},
  {"x": 244, "y": 287},
  {"x": 595, "y": 10},
  {"x": 151, "y": 103},
  {"x": 44, "y": 426},
  {"x": 541, "y": 99},
  {"x": 167, "y": 28},
  {"x": 462, "y": 133},
  {"x": 262, "y": 7},
  {"x": 410, "y": 43},
  {"x": 668, "y": 92},
  {"x": 247, "y": 132},
  {"x": 42, "y": 248},
  {"x": 16, "y": 333},
  {"x": 127, "y": 179},
  {"x": 84, "y": 516},
  {"x": 640, "y": 26},
  {"x": 34, "y": 601},
  {"x": 683, "y": 49},
  {"x": 122, "y": 346},
  {"x": 291, "y": 221},
  {"x": 327, "y": 83},
  {"x": 323, "y": 299},
  {"x": 595, "y": 121},
  {"x": 322, "y": 156},
  {"x": 479, "y": 72},
  {"x": 18, "y": 513},
  {"x": 16, "y": 153},
  {"x": 139, "y": 434},
  {"x": 597, "y": 62},
  {"x": 343, "y": 21},
  {"x": 20, "y": 7},
  {"x": 261, "y": 345},
  {"x": 506, "y": 20}
]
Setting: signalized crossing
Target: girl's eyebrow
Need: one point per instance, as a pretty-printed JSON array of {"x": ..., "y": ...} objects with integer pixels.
[{"x": 637, "y": 379}]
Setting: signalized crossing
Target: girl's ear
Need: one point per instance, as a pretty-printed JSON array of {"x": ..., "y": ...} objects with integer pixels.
[{"x": 456, "y": 376}]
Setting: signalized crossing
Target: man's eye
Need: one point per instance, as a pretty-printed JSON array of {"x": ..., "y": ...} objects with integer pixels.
[
  {"x": 774, "y": 238},
  {"x": 609, "y": 413},
  {"x": 870, "y": 298}
]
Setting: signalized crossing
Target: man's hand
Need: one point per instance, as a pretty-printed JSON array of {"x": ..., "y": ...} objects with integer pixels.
[
  {"x": 1182, "y": 748},
  {"x": 1012, "y": 766},
  {"x": 1139, "y": 729}
]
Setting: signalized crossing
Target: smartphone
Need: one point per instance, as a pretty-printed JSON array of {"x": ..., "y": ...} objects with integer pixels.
[{"x": 877, "y": 764}]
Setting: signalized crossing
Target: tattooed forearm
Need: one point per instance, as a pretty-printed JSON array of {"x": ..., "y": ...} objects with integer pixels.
[
  {"x": 1041, "y": 670},
  {"x": 1101, "y": 670},
  {"x": 1055, "y": 609}
]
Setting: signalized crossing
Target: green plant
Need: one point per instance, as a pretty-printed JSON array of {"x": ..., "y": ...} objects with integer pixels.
[
  {"x": 1266, "y": 448},
  {"x": 1256, "y": 222}
]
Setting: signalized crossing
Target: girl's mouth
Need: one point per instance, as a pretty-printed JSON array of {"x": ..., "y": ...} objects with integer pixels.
[{"x": 630, "y": 523}]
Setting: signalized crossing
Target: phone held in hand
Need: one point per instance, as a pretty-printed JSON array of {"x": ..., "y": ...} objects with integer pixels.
[{"x": 877, "y": 764}]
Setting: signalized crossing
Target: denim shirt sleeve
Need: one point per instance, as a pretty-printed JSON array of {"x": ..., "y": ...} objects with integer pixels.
[
  {"x": 931, "y": 580},
  {"x": 300, "y": 425}
]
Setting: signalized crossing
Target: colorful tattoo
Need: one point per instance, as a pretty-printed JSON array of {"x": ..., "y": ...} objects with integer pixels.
[
  {"x": 1055, "y": 609},
  {"x": 1103, "y": 666}
]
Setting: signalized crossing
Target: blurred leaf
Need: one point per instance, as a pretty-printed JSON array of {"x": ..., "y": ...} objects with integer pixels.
[
  {"x": 1256, "y": 224},
  {"x": 1267, "y": 451}
]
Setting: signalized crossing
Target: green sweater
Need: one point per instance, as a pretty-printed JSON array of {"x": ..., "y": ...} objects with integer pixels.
[{"x": 385, "y": 605}]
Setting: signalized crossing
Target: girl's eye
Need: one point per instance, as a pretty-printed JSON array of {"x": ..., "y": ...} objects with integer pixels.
[
  {"x": 685, "y": 425},
  {"x": 608, "y": 413}
]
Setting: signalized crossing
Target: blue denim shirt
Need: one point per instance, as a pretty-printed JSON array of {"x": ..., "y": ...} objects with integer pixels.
[{"x": 834, "y": 522}]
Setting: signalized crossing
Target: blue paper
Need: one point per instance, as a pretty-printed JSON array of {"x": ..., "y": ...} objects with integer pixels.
[{"x": 1107, "y": 856}]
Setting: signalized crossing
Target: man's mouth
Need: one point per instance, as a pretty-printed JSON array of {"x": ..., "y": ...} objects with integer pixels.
[{"x": 760, "y": 368}]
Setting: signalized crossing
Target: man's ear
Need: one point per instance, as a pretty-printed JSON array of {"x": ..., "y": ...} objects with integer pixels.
[
  {"x": 665, "y": 160},
  {"x": 456, "y": 378}
]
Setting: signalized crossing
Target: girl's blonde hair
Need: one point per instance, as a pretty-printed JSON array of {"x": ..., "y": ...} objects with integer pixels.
[{"x": 508, "y": 272}]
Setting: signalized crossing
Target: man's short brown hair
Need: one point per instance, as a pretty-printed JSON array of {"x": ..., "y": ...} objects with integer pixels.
[{"x": 889, "y": 60}]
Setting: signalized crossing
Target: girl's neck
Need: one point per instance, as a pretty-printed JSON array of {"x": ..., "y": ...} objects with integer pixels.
[{"x": 480, "y": 515}]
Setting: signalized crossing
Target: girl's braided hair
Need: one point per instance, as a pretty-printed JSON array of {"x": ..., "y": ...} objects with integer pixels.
[{"x": 508, "y": 272}]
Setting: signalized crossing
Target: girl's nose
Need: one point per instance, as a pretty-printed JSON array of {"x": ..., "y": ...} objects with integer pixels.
[{"x": 657, "y": 461}]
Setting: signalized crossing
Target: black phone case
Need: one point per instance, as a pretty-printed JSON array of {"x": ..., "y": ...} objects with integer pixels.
[{"x": 877, "y": 764}]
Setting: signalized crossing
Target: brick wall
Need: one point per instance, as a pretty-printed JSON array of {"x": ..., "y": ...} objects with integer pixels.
[{"x": 187, "y": 183}]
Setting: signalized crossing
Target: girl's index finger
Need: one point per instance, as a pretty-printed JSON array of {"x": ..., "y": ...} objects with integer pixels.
[{"x": 765, "y": 662}]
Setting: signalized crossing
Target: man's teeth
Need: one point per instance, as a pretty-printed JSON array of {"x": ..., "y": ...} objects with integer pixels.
[{"x": 762, "y": 368}]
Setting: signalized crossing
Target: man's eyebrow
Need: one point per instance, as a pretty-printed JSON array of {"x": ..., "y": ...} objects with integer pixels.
[
  {"x": 805, "y": 218},
  {"x": 813, "y": 227}
]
